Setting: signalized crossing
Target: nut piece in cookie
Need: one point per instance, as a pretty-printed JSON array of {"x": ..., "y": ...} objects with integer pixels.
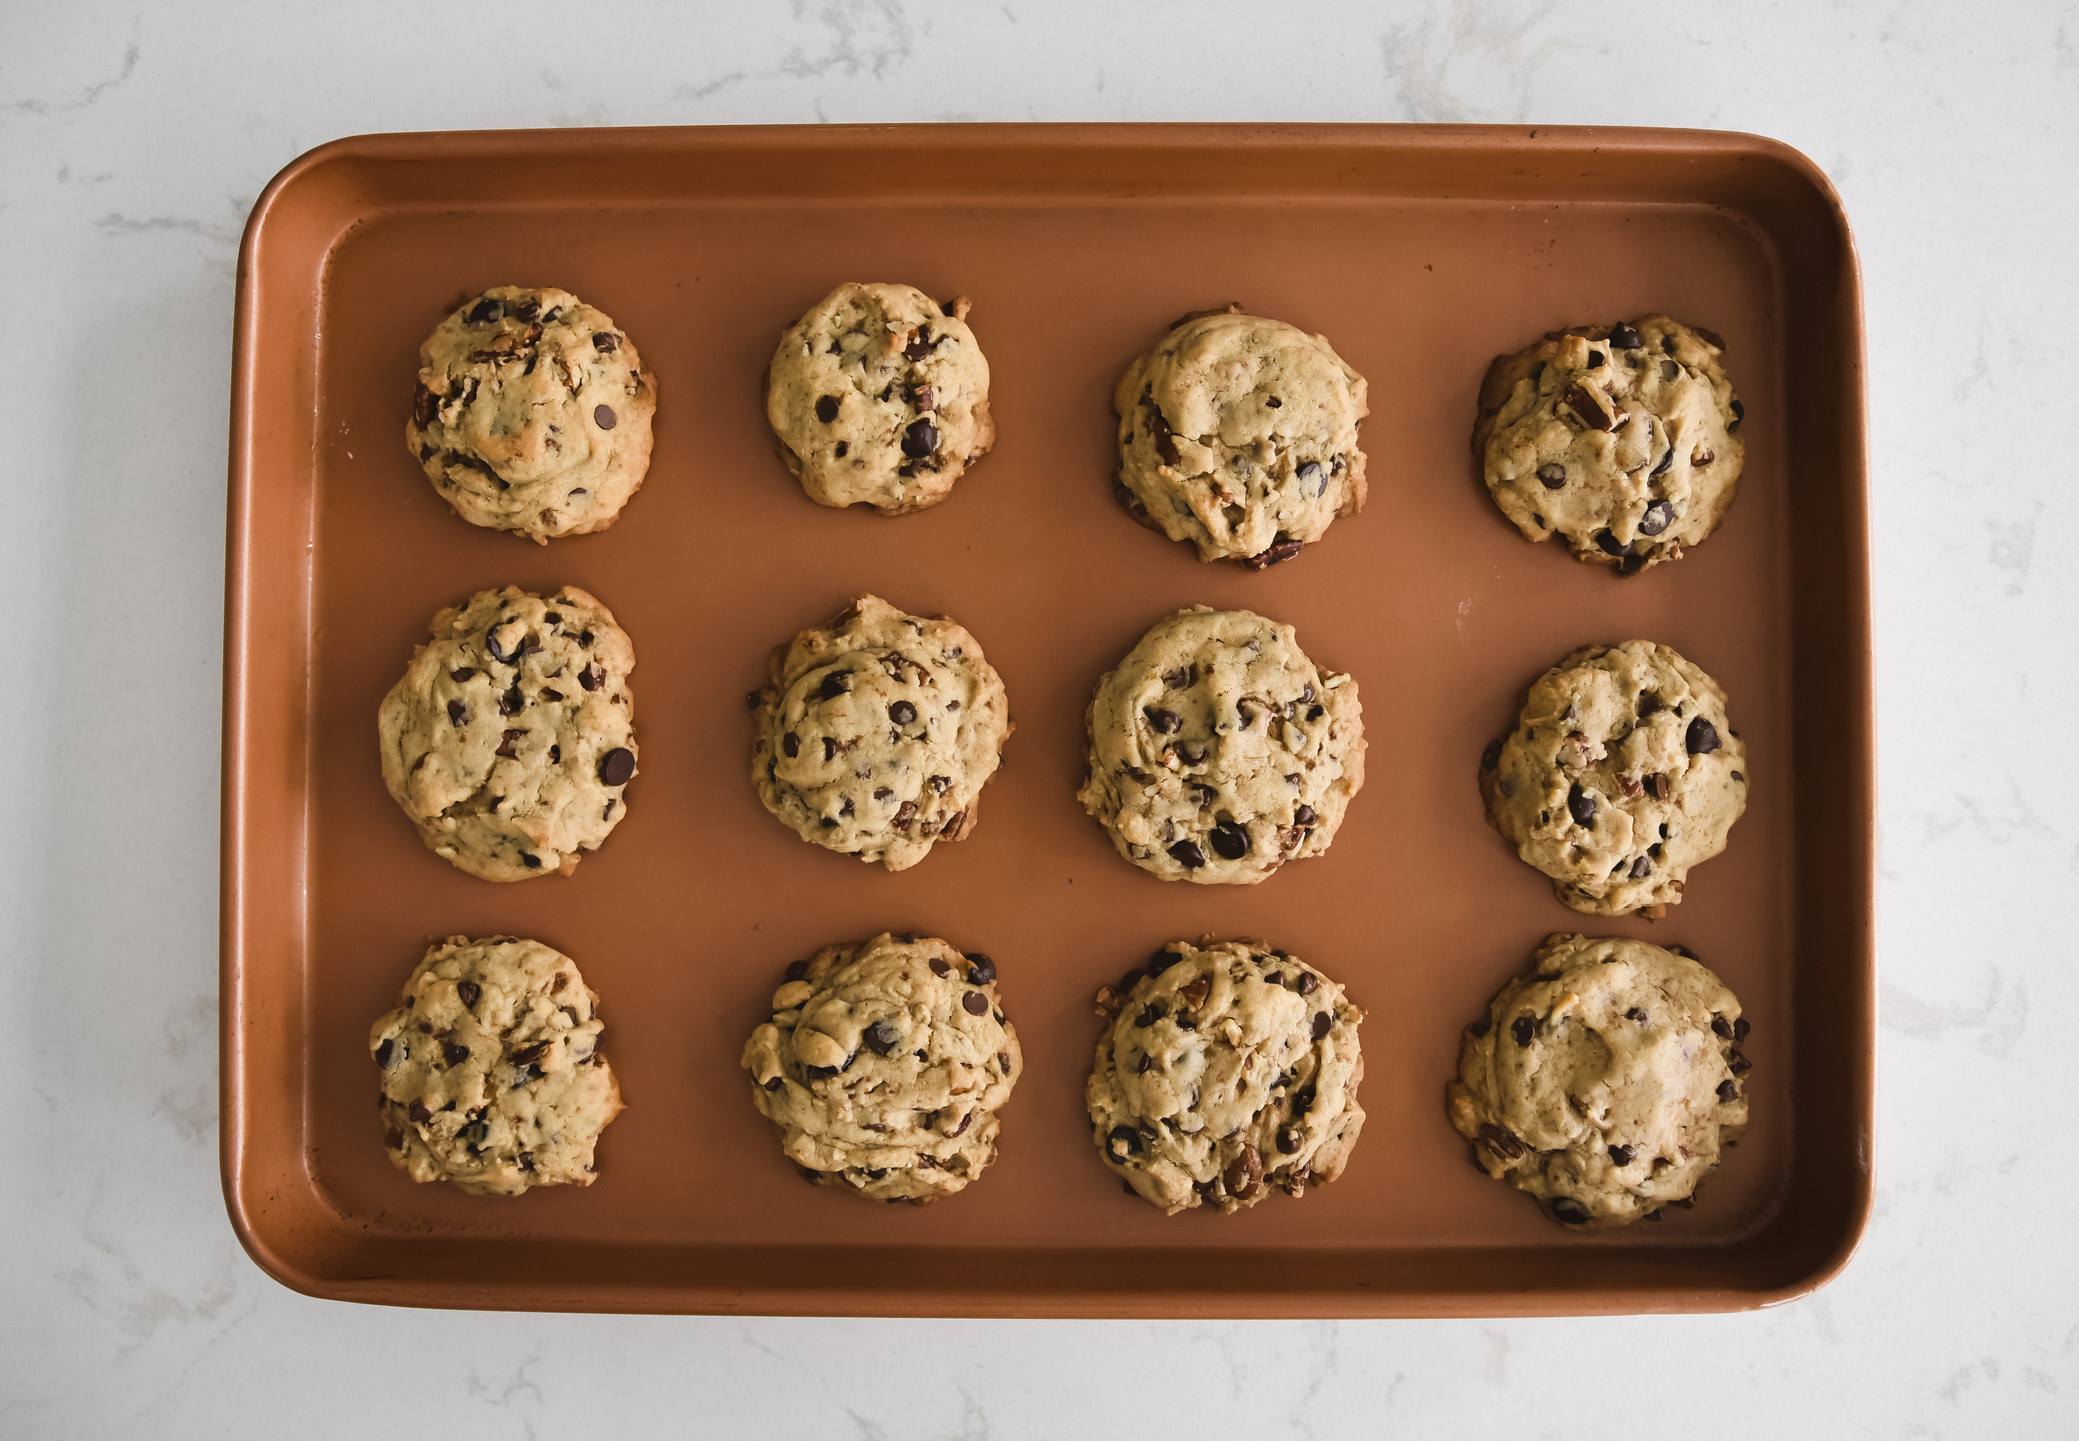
[
  {"x": 532, "y": 413},
  {"x": 510, "y": 741},
  {"x": 494, "y": 1078},
  {"x": 1605, "y": 1085},
  {"x": 884, "y": 1065},
  {"x": 875, "y": 734},
  {"x": 1624, "y": 440},
  {"x": 1218, "y": 751},
  {"x": 1621, "y": 774},
  {"x": 1225, "y": 1069},
  {"x": 1239, "y": 434},
  {"x": 879, "y": 396}
]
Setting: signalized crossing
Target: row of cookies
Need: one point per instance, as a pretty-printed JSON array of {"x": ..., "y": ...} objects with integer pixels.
[
  {"x": 1605, "y": 1085},
  {"x": 1236, "y": 433},
  {"x": 1217, "y": 749}
]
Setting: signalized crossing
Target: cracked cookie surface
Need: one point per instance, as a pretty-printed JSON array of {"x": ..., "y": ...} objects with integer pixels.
[
  {"x": 1621, "y": 774},
  {"x": 510, "y": 739},
  {"x": 874, "y": 735},
  {"x": 1239, "y": 435},
  {"x": 1225, "y": 1069},
  {"x": 879, "y": 396},
  {"x": 1218, "y": 751},
  {"x": 494, "y": 1078},
  {"x": 1607, "y": 1083},
  {"x": 1623, "y": 440},
  {"x": 532, "y": 413},
  {"x": 884, "y": 1065}
]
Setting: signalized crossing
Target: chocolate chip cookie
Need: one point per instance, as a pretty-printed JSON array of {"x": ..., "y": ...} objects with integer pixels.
[
  {"x": 493, "y": 1075},
  {"x": 880, "y": 396},
  {"x": 884, "y": 1065},
  {"x": 1623, "y": 440},
  {"x": 875, "y": 734},
  {"x": 510, "y": 741},
  {"x": 532, "y": 413},
  {"x": 1607, "y": 1084},
  {"x": 1218, "y": 751},
  {"x": 1621, "y": 774},
  {"x": 1239, "y": 434},
  {"x": 1225, "y": 1069}
]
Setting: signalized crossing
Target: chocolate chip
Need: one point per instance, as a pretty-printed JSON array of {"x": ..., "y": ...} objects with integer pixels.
[
  {"x": 1625, "y": 337},
  {"x": 980, "y": 970},
  {"x": 923, "y": 397},
  {"x": 1306, "y": 983},
  {"x": 1552, "y": 475},
  {"x": 1273, "y": 402},
  {"x": 603, "y": 417},
  {"x": 425, "y": 406},
  {"x": 905, "y": 812},
  {"x": 1310, "y": 476},
  {"x": 606, "y": 342},
  {"x": 1502, "y": 1143},
  {"x": 385, "y": 1052},
  {"x": 1701, "y": 738},
  {"x": 902, "y": 712},
  {"x": 920, "y": 439},
  {"x": 457, "y": 712},
  {"x": 1277, "y": 553},
  {"x": 844, "y": 448},
  {"x": 1739, "y": 1065},
  {"x": 922, "y": 346},
  {"x": 1641, "y": 868},
  {"x": 468, "y": 991},
  {"x": 1288, "y": 1141},
  {"x": 1740, "y": 1029},
  {"x": 419, "y": 1113},
  {"x": 1126, "y": 1137},
  {"x": 1595, "y": 359},
  {"x": 532, "y": 862},
  {"x": 485, "y": 311},
  {"x": 1181, "y": 677},
  {"x": 1728, "y": 1091},
  {"x": 1481, "y": 1027},
  {"x": 796, "y": 970},
  {"x": 1721, "y": 1027},
  {"x": 512, "y": 702},
  {"x": 1322, "y": 1022},
  {"x": 455, "y": 1052},
  {"x": 616, "y": 766},
  {"x": 1595, "y": 412},
  {"x": 507, "y": 741},
  {"x": 585, "y": 638},
  {"x": 1188, "y": 855},
  {"x": 826, "y": 408},
  {"x": 1635, "y": 1014},
  {"x": 829, "y": 748},
  {"x": 939, "y": 967},
  {"x": 1610, "y": 545},
  {"x": 1569, "y": 1211},
  {"x": 880, "y": 1037},
  {"x": 1524, "y": 1029},
  {"x": 1739, "y": 414},
  {"x": 835, "y": 684},
  {"x": 1230, "y": 841},
  {"x": 491, "y": 645},
  {"x": 1243, "y": 1173},
  {"x": 791, "y": 744},
  {"x": 975, "y": 1003},
  {"x": 1658, "y": 517},
  {"x": 1154, "y": 1012},
  {"x": 775, "y": 1083},
  {"x": 1580, "y": 805}
]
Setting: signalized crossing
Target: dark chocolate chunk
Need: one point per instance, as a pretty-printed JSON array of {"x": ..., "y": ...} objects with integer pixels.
[
  {"x": 1277, "y": 553},
  {"x": 1701, "y": 738},
  {"x": 616, "y": 766},
  {"x": 1580, "y": 805},
  {"x": 920, "y": 439}
]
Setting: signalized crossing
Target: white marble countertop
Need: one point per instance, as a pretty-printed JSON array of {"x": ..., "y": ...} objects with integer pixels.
[{"x": 134, "y": 139}]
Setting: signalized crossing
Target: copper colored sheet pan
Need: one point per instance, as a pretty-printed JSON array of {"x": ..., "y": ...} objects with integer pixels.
[{"x": 1421, "y": 252}]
